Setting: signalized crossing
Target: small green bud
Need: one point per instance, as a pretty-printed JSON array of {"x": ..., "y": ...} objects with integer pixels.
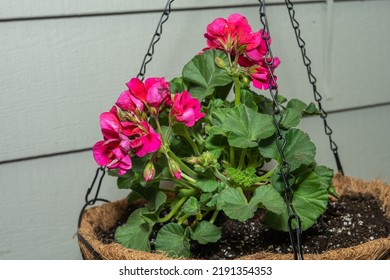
[{"x": 220, "y": 63}]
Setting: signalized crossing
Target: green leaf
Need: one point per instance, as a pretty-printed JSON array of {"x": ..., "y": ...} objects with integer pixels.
[
  {"x": 247, "y": 98},
  {"x": 326, "y": 175},
  {"x": 174, "y": 240},
  {"x": 246, "y": 127},
  {"x": 191, "y": 206},
  {"x": 207, "y": 184},
  {"x": 128, "y": 180},
  {"x": 309, "y": 201},
  {"x": 269, "y": 198},
  {"x": 159, "y": 201},
  {"x": 135, "y": 234},
  {"x": 299, "y": 150},
  {"x": 235, "y": 205},
  {"x": 277, "y": 181},
  {"x": 205, "y": 75},
  {"x": 148, "y": 193},
  {"x": 296, "y": 104},
  {"x": 177, "y": 85},
  {"x": 223, "y": 92},
  {"x": 205, "y": 232},
  {"x": 291, "y": 118},
  {"x": 311, "y": 109}
]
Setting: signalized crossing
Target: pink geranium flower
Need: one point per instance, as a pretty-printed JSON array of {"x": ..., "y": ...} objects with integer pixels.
[
  {"x": 186, "y": 109},
  {"x": 231, "y": 33},
  {"x": 257, "y": 54},
  {"x": 112, "y": 127},
  {"x": 128, "y": 102},
  {"x": 111, "y": 153},
  {"x": 145, "y": 140},
  {"x": 154, "y": 93},
  {"x": 261, "y": 76},
  {"x": 158, "y": 92}
]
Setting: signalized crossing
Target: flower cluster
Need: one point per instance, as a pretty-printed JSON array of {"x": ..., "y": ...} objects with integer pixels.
[
  {"x": 247, "y": 48},
  {"x": 127, "y": 128}
]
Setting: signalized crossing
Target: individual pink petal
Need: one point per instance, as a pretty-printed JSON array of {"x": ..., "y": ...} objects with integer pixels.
[
  {"x": 128, "y": 102},
  {"x": 125, "y": 165},
  {"x": 147, "y": 142},
  {"x": 137, "y": 88},
  {"x": 110, "y": 125},
  {"x": 101, "y": 153}
]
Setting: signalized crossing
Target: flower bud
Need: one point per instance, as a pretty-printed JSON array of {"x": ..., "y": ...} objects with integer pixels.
[
  {"x": 174, "y": 168},
  {"x": 245, "y": 80},
  {"x": 193, "y": 160},
  {"x": 220, "y": 63},
  {"x": 149, "y": 171}
]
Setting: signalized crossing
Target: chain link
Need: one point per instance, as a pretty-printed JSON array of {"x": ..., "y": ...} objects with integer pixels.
[
  {"x": 89, "y": 202},
  {"x": 294, "y": 231},
  {"x": 313, "y": 82},
  {"x": 156, "y": 37}
]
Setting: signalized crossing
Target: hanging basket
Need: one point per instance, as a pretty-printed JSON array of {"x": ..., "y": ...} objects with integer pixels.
[{"x": 105, "y": 217}]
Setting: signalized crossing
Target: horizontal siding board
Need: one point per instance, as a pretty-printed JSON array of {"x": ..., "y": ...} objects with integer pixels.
[
  {"x": 360, "y": 59},
  {"x": 362, "y": 139},
  {"x": 50, "y": 8}
]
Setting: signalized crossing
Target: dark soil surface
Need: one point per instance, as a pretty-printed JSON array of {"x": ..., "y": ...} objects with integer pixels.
[{"x": 349, "y": 221}]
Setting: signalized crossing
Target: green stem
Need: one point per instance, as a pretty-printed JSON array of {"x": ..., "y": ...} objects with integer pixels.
[
  {"x": 197, "y": 136},
  {"x": 182, "y": 219},
  {"x": 191, "y": 142},
  {"x": 214, "y": 217},
  {"x": 267, "y": 175},
  {"x": 220, "y": 176},
  {"x": 242, "y": 159},
  {"x": 189, "y": 179},
  {"x": 174, "y": 210},
  {"x": 232, "y": 156},
  {"x": 237, "y": 91}
]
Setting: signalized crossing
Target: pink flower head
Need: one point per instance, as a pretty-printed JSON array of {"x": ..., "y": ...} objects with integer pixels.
[
  {"x": 186, "y": 109},
  {"x": 154, "y": 93},
  {"x": 128, "y": 102},
  {"x": 261, "y": 76},
  {"x": 158, "y": 92},
  {"x": 113, "y": 153},
  {"x": 146, "y": 140},
  {"x": 112, "y": 127},
  {"x": 257, "y": 54},
  {"x": 230, "y": 33}
]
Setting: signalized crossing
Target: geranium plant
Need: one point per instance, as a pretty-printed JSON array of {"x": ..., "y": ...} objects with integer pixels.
[{"x": 219, "y": 152}]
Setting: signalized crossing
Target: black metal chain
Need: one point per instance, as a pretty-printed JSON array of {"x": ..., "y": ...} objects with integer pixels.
[
  {"x": 294, "y": 232},
  {"x": 313, "y": 82},
  {"x": 89, "y": 202},
  {"x": 141, "y": 75},
  {"x": 156, "y": 37}
]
